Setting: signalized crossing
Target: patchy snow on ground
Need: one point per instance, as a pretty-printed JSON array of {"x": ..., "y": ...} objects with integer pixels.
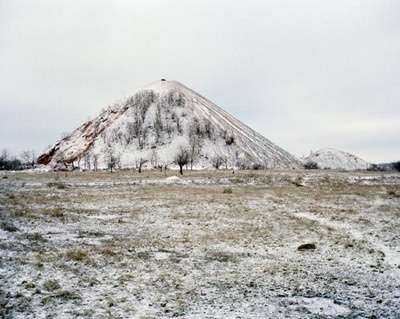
[
  {"x": 321, "y": 306},
  {"x": 208, "y": 244}
]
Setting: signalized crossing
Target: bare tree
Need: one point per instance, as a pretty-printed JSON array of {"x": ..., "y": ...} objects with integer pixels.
[
  {"x": 197, "y": 127},
  {"x": 169, "y": 129},
  {"x": 139, "y": 163},
  {"x": 28, "y": 158},
  {"x": 229, "y": 139},
  {"x": 176, "y": 98},
  {"x": 110, "y": 158},
  {"x": 217, "y": 161},
  {"x": 142, "y": 137},
  {"x": 4, "y": 155},
  {"x": 130, "y": 132},
  {"x": 33, "y": 157},
  {"x": 79, "y": 162},
  {"x": 118, "y": 162},
  {"x": 95, "y": 158},
  {"x": 87, "y": 160},
  {"x": 158, "y": 124},
  {"x": 194, "y": 145},
  {"x": 243, "y": 161},
  {"x": 208, "y": 129},
  {"x": 8, "y": 162},
  {"x": 154, "y": 158},
  {"x": 225, "y": 161},
  {"x": 182, "y": 158},
  {"x": 178, "y": 125},
  {"x": 25, "y": 157},
  {"x": 4, "y": 159}
]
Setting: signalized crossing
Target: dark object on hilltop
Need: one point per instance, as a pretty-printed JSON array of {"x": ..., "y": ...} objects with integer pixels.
[{"x": 309, "y": 246}]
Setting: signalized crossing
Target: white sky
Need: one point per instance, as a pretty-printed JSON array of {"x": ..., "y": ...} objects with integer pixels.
[{"x": 306, "y": 74}]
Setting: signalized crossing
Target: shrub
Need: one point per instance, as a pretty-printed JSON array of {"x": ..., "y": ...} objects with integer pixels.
[
  {"x": 311, "y": 165},
  {"x": 56, "y": 184},
  {"x": 76, "y": 254},
  {"x": 56, "y": 212},
  {"x": 12, "y": 164},
  {"x": 35, "y": 237},
  {"x": 62, "y": 294},
  {"x": 393, "y": 193},
  {"x": 108, "y": 251},
  {"x": 51, "y": 285},
  {"x": 229, "y": 139},
  {"x": 8, "y": 226},
  {"x": 222, "y": 256},
  {"x": 375, "y": 168},
  {"x": 227, "y": 190}
]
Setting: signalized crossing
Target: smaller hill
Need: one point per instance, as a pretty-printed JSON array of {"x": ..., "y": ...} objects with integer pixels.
[{"x": 330, "y": 158}]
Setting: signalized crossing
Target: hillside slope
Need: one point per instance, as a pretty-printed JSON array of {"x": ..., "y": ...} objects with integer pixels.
[{"x": 157, "y": 123}]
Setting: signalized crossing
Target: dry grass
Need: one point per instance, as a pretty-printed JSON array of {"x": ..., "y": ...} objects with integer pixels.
[
  {"x": 221, "y": 239},
  {"x": 227, "y": 190},
  {"x": 77, "y": 254}
]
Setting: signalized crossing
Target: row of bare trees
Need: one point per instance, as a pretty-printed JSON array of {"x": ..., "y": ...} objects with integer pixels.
[
  {"x": 26, "y": 160},
  {"x": 188, "y": 155}
]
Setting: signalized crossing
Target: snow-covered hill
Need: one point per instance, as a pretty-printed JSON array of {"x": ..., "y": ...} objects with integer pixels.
[
  {"x": 331, "y": 158},
  {"x": 160, "y": 121}
]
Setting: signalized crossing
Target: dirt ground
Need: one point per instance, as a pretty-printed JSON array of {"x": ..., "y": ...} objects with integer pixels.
[{"x": 253, "y": 244}]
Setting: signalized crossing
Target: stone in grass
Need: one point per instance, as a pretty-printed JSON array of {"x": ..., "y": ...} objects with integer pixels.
[{"x": 308, "y": 246}]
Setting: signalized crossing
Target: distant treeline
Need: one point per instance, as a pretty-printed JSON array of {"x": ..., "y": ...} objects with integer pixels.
[
  {"x": 9, "y": 162},
  {"x": 27, "y": 160},
  {"x": 394, "y": 166}
]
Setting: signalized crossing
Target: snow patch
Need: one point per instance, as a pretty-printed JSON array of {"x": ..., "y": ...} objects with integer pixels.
[{"x": 322, "y": 306}]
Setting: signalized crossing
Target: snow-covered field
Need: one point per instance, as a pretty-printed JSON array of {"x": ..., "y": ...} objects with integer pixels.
[{"x": 206, "y": 245}]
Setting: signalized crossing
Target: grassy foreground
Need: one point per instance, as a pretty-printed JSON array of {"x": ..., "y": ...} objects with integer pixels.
[{"x": 210, "y": 244}]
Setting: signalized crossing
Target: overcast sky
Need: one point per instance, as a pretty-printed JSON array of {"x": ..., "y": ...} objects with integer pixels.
[{"x": 306, "y": 74}]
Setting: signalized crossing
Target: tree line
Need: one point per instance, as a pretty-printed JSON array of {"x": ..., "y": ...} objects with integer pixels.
[{"x": 25, "y": 160}]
